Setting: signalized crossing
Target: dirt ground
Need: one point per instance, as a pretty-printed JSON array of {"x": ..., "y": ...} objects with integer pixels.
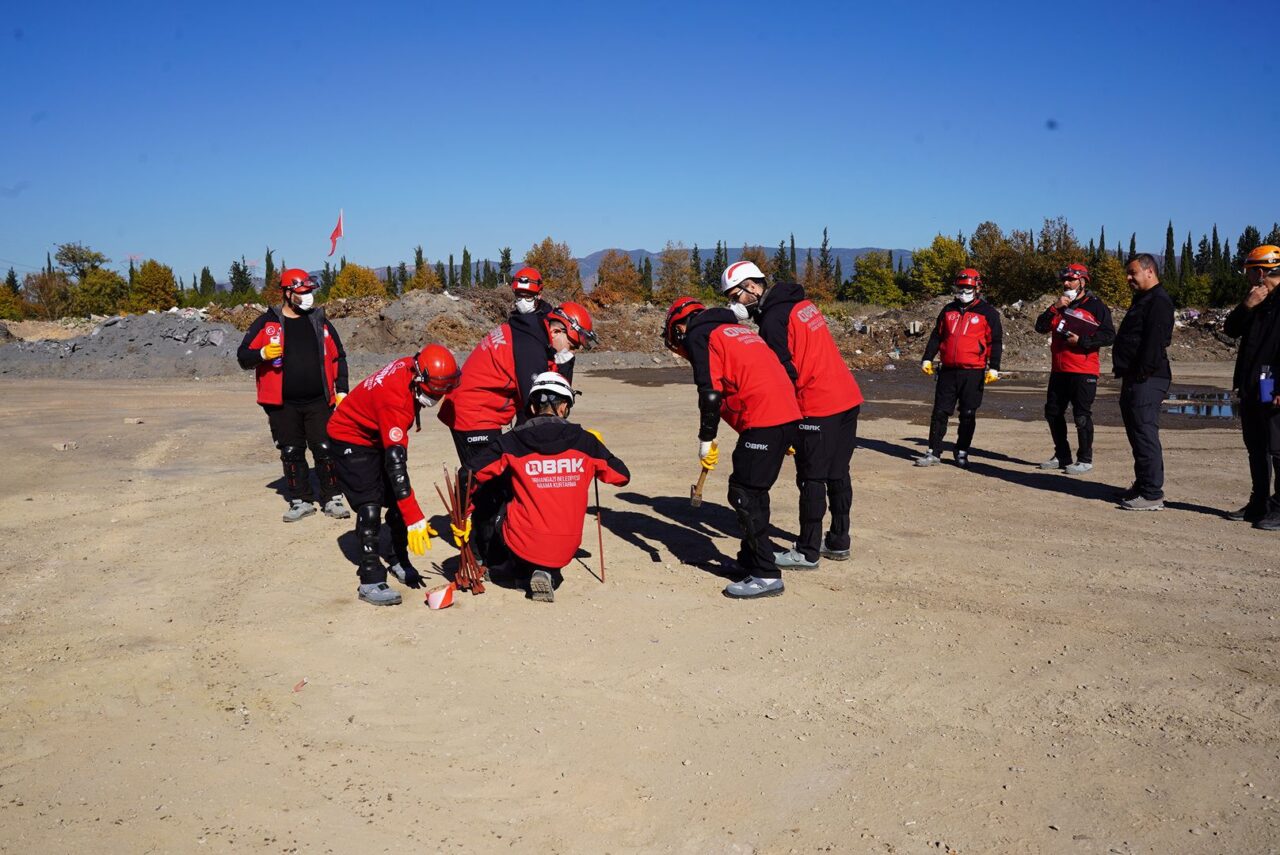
[{"x": 1008, "y": 664}]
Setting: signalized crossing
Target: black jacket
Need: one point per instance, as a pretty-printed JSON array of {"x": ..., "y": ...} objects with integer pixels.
[
  {"x": 775, "y": 321},
  {"x": 1144, "y": 335},
  {"x": 1259, "y": 332},
  {"x": 533, "y": 354}
]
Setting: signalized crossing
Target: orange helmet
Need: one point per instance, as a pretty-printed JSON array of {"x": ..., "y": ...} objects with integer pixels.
[
  {"x": 298, "y": 280},
  {"x": 437, "y": 371},
  {"x": 527, "y": 282},
  {"x": 1265, "y": 256},
  {"x": 1074, "y": 271},
  {"x": 680, "y": 312},
  {"x": 968, "y": 278},
  {"x": 577, "y": 324}
]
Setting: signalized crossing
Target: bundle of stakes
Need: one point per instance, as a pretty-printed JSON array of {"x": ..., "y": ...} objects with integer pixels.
[{"x": 470, "y": 577}]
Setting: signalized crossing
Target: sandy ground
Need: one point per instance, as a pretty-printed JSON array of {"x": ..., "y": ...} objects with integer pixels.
[{"x": 1008, "y": 664}]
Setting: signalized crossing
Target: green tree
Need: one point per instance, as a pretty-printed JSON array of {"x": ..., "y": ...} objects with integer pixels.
[
  {"x": 12, "y": 281},
  {"x": 1133, "y": 245},
  {"x": 402, "y": 278},
  {"x": 100, "y": 292},
  {"x": 426, "y": 278},
  {"x": 695, "y": 265},
  {"x": 442, "y": 275},
  {"x": 419, "y": 260},
  {"x": 356, "y": 280},
  {"x": 1107, "y": 281},
  {"x": 504, "y": 264},
  {"x": 153, "y": 288},
  {"x": 208, "y": 287},
  {"x": 466, "y": 268},
  {"x": 825, "y": 270},
  {"x": 270, "y": 280},
  {"x": 935, "y": 266},
  {"x": 646, "y": 275},
  {"x": 837, "y": 277},
  {"x": 780, "y": 263},
  {"x": 241, "y": 279},
  {"x": 873, "y": 282},
  {"x": 792, "y": 270},
  {"x": 77, "y": 260},
  {"x": 1169, "y": 275}
]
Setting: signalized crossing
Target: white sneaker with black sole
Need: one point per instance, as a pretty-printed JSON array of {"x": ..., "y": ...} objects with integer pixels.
[{"x": 541, "y": 587}]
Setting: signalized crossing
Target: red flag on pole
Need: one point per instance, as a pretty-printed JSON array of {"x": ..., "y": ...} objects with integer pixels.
[{"x": 337, "y": 233}]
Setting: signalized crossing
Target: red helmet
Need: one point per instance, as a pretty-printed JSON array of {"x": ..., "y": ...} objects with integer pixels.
[
  {"x": 297, "y": 280},
  {"x": 437, "y": 371},
  {"x": 577, "y": 324},
  {"x": 1072, "y": 272},
  {"x": 968, "y": 278},
  {"x": 681, "y": 311},
  {"x": 527, "y": 282}
]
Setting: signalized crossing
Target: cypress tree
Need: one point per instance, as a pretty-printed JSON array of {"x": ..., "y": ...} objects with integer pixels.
[
  {"x": 839, "y": 274},
  {"x": 646, "y": 275},
  {"x": 781, "y": 267},
  {"x": 1170, "y": 273},
  {"x": 48, "y": 264},
  {"x": 390, "y": 279},
  {"x": 441, "y": 274},
  {"x": 466, "y": 268},
  {"x": 1133, "y": 244},
  {"x": 419, "y": 260},
  {"x": 207, "y": 285},
  {"x": 1102, "y": 240},
  {"x": 453, "y": 273},
  {"x": 504, "y": 264},
  {"x": 793, "y": 256},
  {"x": 824, "y": 258},
  {"x": 12, "y": 281},
  {"x": 402, "y": 277}
]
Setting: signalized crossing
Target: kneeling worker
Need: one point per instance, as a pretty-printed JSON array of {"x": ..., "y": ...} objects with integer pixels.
[
  {"x": 552, "y": 464},
  {"x": 370, "y": 436}
]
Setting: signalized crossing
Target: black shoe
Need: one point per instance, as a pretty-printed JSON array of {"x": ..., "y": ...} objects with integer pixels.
[
  {"x": 962, "y": 459},
  {"x": 1270, "y": 522},
  {"x": 1249, "y": 513}
]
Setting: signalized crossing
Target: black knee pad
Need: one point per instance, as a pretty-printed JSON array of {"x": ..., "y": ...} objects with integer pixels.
[
  {"x": 968, "y": 416},
  {"x": 1083, "y": 420},
  {"x": 368, "y": 524},
  {"x": 293, "y": 453},
  {"x": 322, "y": 451},
  {"x": 745, "y": 504}
]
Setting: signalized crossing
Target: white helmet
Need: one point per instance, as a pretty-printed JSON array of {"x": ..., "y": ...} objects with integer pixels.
[
  {"x": 549, "y": 387},
  {"x": 737, "y": 273}
]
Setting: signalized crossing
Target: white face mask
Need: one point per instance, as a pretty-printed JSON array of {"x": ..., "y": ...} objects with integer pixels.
[
  {"x": 305, "y": 302},
  {"x": 526, "y": 305},
  {"x": 739, "y": 311},
  {"x": 425, "y": 400},
  {"x": 966, "y": 296},
  {"x": 1072, "y": 294}
]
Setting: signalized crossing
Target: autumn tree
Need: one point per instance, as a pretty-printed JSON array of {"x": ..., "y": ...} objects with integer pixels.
[
  {"x": 674, "y": 273},
  {"x": 356, "y": 280},
  {"x": 47, "y": 294},
  {"x": 557, "y": 265},
  {"x": 11, "y": 308},
  {"x": 1107, "y": 281},
  {"x": 425, "y": 278},
  {"x": 77, "y": 260},
  {"x": 617, "y": 281},
  {"x": 153, "y": 288},
  {"x": 100, "y": 292}
]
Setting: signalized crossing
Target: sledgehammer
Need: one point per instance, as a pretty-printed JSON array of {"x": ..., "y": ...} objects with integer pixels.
[{"x": 695, "y": 491}]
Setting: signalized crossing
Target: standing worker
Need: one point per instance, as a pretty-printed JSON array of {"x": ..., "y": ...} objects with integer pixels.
[
  {"x": 370, "y": 434},
  {"x": 552, "y": 463},
  {"x": 968, "y": 338},
  {"x": 1141, "y": 361},
  {"x": 829, "y": 401},
  {"x": 1080, "y": 325},
  {"x": 1256, "y": 322},
  {"x": 740, "y": 380},
  {"x": 526, "y": 286},
  {"x": 301, "y": 373}
]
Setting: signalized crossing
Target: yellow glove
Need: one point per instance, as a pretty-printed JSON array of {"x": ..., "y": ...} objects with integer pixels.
[
  {"x": 337, "y": 398},
  {"x": 791, "y": 450},
  {"x": 420, "y": 537},
  {"x": 927, "y": 367},
  {"x": 461, "y": 534},
  {"x": 272, "y": 350},
  {"x": 596, "y": 434},
  {"x": 708, "y": 454},
  {"x": 991, "y": 376}
]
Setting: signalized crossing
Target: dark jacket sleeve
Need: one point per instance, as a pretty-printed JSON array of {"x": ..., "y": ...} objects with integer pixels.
[
  {"x": 247, "y": 355},
  {"x": 1157, "y": 328},
  {"x": 488, "y": 463},
  {"x": 1106, "y": 332},
  {"x": 340, "y": 383},
  {"x": 935, "y": 339},
  {"x": 1044, "y": 323},
  {"x": 997, "y": 335},
  {"x": 1237, "y": 322},
  {"x": 775, "y": 330},
  {"x": 610, "y": 469}
]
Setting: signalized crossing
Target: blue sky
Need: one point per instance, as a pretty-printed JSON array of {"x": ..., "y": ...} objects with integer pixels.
[{"x": 197, "y": 135}]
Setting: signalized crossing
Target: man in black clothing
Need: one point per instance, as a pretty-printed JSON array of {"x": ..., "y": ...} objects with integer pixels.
[
  {"x": 1256, "y": 322},
  {"x": 1140, "y": 360},
  {"x": 301, "y": 373}
]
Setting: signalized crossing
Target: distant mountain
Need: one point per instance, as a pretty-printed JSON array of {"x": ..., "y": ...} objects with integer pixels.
[{"x": 588, "y": 265}]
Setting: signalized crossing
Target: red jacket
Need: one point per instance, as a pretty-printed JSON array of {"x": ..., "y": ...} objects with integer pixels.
[
  {"x": 270, "y": 378},
  {"x": 967, "y": 336},
  {"x": 736, "y": 362},
  {"x": 1081, "y": 357},
  {"x": 498, "y": 374},
  {"x": 552, "y": 464},
  {"x": 796, "y": 330}
]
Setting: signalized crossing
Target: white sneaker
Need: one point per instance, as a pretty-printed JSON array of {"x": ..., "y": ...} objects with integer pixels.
[
  {"x": 299, "y": 509},
  {"x": 1051, "y": 463},
  {"x": 1078, "y": 468},
  {"x": 929, "y": 459}
]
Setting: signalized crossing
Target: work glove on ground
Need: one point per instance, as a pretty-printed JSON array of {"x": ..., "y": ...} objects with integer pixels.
[
  {"x": 927, "y": 367},
  {"x": 708, "y": 454},
  {"x": 461, "y": 534},
  {"x": 420, "y": 537},
  {"x": 272, "y": 350},
  {"x": 992, "y": 376}
]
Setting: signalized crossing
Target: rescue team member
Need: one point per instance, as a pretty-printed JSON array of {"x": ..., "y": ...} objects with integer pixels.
[
  {"x": 496, "y": 381},
  {"x": 968, "y": 339},
  {"x": 370, "y": 435},
  {"x": 740, "y": 380},
  {"x": 1140, "y": 360},
  {"x": 552, "y": 463},
  {"x": 301, "y": 372},
  {"x": 1074, "y": 366},
  {"x": 526, "y": 285},
  {"x": 1256, "y": 322},
  {"x": 829, "y": 401}
]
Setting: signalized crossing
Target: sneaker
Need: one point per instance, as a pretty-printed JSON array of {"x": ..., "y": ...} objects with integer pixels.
[
  {"x": 299, "y": 509},
  {"x": 1051, "y": 463},
  {"x": 541, "y": 587},
  {"x": 379, "y": 594},
  {"x": 962, "y": 459},
  {"x": 1132, "y": 493},
  {"x": 1078, "y": 468},
  {"x": 1140, "y": 504},
  {"x": 794, "y": 560},
  {"x": 754, "y": 586},
  {"x": 1249, "y": 513},
  {"x": 336, "y": 509},
  {"x": 929, "y": 459},
  {"x": 1270, "y": 522},
  {"x": 833, "y": 554}
]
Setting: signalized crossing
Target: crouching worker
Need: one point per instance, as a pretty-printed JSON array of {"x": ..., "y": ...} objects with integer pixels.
[
  {"x": 552, "y": 464},
  {"x": 370, "y": 437}
]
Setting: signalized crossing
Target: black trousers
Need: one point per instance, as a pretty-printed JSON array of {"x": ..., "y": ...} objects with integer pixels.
[
  {"x": 956, "y": 385},
  {"x": 294, "y": 427},
  {"x": 1078, "y": 390},
  {"x": 824, "y": 451},
  {"x": 1140, "y": 404},
  {"x": 364, "y": 482},
  {"x": 757, "y": 460},
  {"x": 488, "y": 498},
  {"x": 1260, "y": 424}
]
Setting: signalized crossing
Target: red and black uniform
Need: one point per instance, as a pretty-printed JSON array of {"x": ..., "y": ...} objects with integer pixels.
[
  {"x": 968, "y": 339},
  {"x": 1258, "y": 329},
  {"x": 1073, "y": 377},
  {"x": 370, "y": 438},
  {"x": 298, "y": 394},
  {"x": 829, "y": 401},
  {"x": 551, "y": 463},
  {"x": 740, "y": 380}
]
